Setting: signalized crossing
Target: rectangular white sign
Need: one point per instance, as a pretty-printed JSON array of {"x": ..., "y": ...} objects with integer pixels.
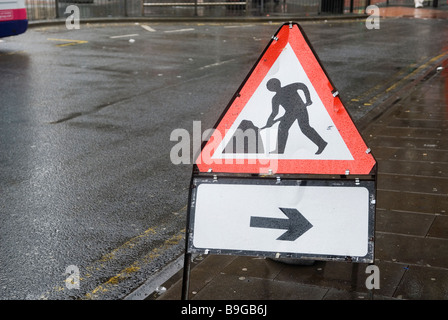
[{"x": 307, "y": 218}]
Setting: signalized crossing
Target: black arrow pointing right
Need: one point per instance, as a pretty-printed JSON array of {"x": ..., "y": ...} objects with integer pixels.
[{"x": 296, "y": 224}]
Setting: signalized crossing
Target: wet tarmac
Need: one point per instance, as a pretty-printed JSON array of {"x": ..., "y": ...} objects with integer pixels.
[{"x": 86, "y": 177}]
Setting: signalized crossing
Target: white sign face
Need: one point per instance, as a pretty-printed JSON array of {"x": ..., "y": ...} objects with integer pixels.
[
  {"x": 327, "y": 220},
  {"x": 288, "y": 70}
]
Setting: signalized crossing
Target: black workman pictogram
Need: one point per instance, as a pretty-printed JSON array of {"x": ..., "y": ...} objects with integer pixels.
[{"x": 295, "y": 109}]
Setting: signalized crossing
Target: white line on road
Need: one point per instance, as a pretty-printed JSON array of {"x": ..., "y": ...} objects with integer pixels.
[
  {"x": 216, "y": 64},
  {"x": 148, "y": 28},
  {"x": 179, "y": 30},
  {"x": 125, "y": 35},
  {"x": 240, "y": 26}
]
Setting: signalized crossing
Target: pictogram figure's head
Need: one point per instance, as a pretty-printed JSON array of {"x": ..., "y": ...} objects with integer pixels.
[{"x": 273, "y": 85}]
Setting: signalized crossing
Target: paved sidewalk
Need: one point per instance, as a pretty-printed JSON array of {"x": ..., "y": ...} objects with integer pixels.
[{"x": 410, "y": 143}]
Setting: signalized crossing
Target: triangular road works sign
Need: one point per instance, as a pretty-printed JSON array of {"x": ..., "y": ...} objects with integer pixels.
[{"x": 286, "y": 118}]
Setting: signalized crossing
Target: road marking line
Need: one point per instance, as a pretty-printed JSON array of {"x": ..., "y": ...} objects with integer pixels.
[
  {"x": 124, "y": 36},
  {"x": 156, "y": 280},
  {"x": 179, "y": 30},
  {"x": 69, "y": 42},
  {"x": 239, "y": 26},
  {"x": 148, "y": 28},
  {"x": 128, "y": 271},
  {"x": 101, "y": 263},
  {"x": 417, "y": 70},
  {"x": 216, "y": 64},
  {"x": 380, "y": 85},
  {"x": 398, "y": 82},
  {"x": 413, "y": 73}
]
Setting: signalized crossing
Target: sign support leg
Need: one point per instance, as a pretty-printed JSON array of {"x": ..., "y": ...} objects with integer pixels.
[
  {"x": 187, "y": 256},
  {"x": 186, "y": 276}
]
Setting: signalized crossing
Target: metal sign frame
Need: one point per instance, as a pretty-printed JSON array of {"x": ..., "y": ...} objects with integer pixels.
[
  {"x": 367, "y": 181},
  {"x": 277, "y": 181}
]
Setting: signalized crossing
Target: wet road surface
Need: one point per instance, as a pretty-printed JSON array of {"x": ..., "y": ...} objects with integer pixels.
[{"x": 86, "y": 180}]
